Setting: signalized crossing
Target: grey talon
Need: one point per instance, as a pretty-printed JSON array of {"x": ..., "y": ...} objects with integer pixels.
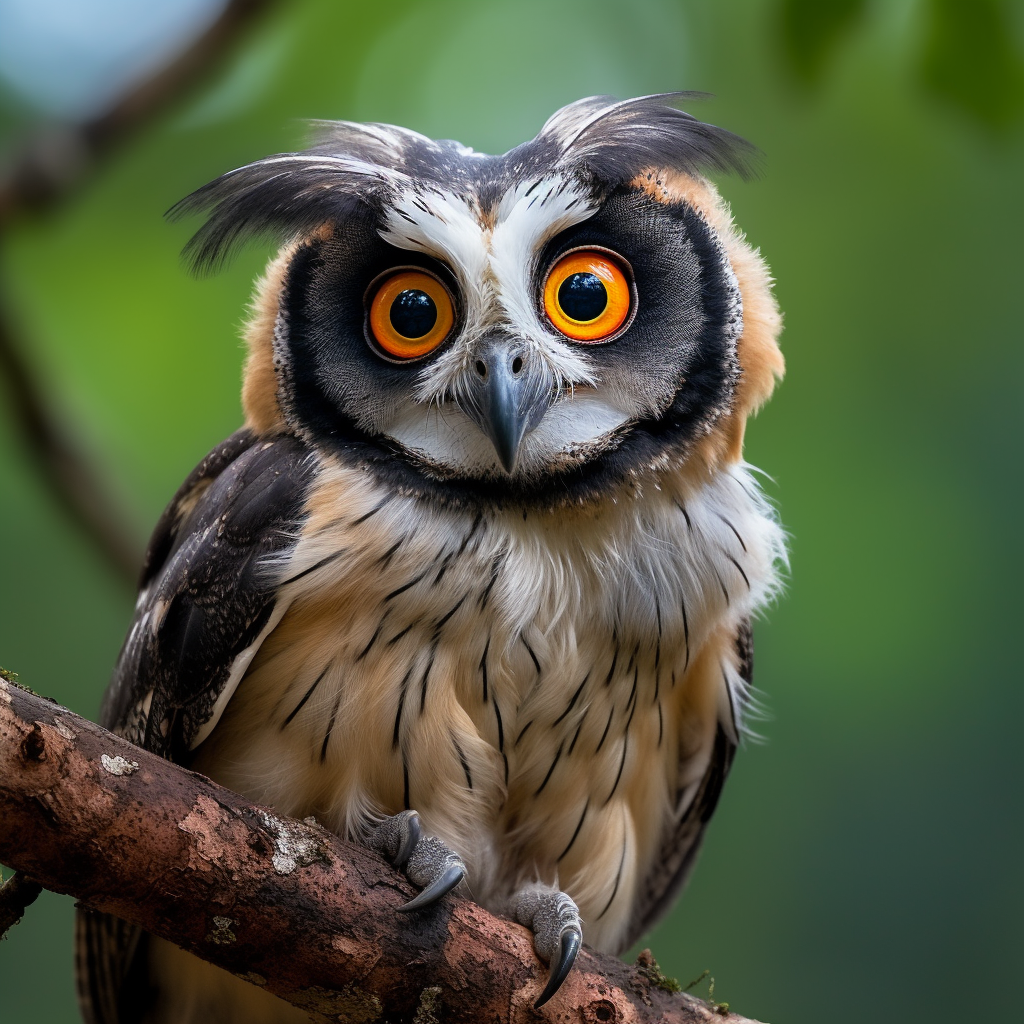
[
  {"x": 424, "y": 860},
  {"x": 554, "y": 919},
  {"x": 412, "y": 838},
  {"x": 395, "y": 837},
  {"x": 441, "y": 886},
  {"x": 569, "y": 946}
]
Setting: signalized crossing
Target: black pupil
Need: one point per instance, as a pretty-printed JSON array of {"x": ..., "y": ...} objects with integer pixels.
[
  {"x": 582, "y": 297},
  {"x": 413, "y": 313}
]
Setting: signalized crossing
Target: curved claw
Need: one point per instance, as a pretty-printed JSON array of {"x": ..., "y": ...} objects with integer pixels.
[
  {"x": 569, "y": 946},
  {"x": 413, "y": 832},
  {"x": 441, "y": 886}
]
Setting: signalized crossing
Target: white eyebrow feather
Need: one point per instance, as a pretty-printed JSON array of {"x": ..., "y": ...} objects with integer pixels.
[
  {"x": 496, "y": 268},
  {"x": 347, "y": 165}
]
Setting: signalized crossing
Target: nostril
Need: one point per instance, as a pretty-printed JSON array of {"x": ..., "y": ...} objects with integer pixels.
[
  {"x": 517, "y": 365},
  {"x": 481, "y": 368}
]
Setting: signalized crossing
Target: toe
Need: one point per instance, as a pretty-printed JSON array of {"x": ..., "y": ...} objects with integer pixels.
[
  {"x": 424, "y": 860},
  {"x": 569, "y": 946},
  {"x": 440, "y": 886}
]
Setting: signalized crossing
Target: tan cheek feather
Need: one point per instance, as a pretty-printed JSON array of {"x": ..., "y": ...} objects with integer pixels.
[
  {"x": 760, "y": 360},
  {"x": 262, "y": 410},
  {"x": 259, "y": 381}
]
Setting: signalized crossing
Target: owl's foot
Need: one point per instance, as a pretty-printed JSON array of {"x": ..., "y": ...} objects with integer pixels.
[
  {"x": 424, "y": 860},
  {"x": 554, "y": 920}
]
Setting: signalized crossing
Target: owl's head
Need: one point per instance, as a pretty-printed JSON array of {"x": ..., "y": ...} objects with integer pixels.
[{"x": 533, "y": 327}]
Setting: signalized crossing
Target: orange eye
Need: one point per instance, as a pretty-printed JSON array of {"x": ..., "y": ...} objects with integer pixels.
[
  {"x": 411, "y": 314},
  {"x": 587, "y": 295}
]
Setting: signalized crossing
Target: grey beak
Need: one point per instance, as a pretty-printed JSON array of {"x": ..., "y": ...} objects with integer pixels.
[{"x": 507, "y": 396}]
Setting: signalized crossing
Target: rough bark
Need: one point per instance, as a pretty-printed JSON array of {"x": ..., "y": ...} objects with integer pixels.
[
  {"x": 282, "y": 903},
  {"x": 17, "y": 893}
]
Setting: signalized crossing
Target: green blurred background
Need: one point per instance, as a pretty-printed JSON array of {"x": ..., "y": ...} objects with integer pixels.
[{"x": 866, "y": 860}]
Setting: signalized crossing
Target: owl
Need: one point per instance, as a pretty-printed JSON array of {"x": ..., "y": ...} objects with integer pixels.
[{"x": 473, "y": 585}]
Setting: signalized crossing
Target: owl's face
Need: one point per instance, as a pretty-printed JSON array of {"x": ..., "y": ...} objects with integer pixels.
[{"x": 527, "y": 326}]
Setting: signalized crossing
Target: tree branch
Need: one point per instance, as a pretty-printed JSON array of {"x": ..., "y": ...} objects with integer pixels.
[
  {"x": 69, "y": 474},
  {"x": 51, "y": 166},
  {"x": 16, "y": 894},
  {"x": 58, "y": 159},
  {"x": 279, "y": 902}
]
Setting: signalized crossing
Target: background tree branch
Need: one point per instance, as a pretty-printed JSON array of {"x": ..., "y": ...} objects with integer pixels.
[
  {"x": 57, "y": 160},
  {"x": 52, "y": 165},
  {"x": 282, "y": 903}
]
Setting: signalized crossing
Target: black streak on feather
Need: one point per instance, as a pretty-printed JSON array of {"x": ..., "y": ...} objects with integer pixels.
[
  {"x": 465, "y": 540},
  {"x": 739, "y": 568},
  {"x": 426, "y": 676},
  {"x": 398, "y": 636},
  {"x": 495, "y": 569},
  {"x": 373, "y": 511},
  {"x": 725, "y": 593},
  {"x": 686, "y": 515},
  {"x": 483, "y": 666},
  {"x": 401, "y": 704},
  {"x": 463, "y": 762},
  {"x": 622, "y": 764},
  {"x": 572, "y": 702},
  {"x": 611, "y": 671},
  {"x": 529, "y": 650},
  {"x": 734, "y": 530},
  {"x": 576, "y": 833},
  {"x": 444, "y": 568},
  {"x": 373, "y": 639},
  {"x": 686, "y": 638},
  {"x": 576, "y": 736},
  {"x": 305, "y": 697},
  {"x": 405, "y": 784},
  {"x": 405, "y": 586},
  {"x": 501, "y": 729},
  {"x": 385, "y": 560},
  {"x": 615, "y": 888},
  {"x": 629, "y": 721},
  {"x": 607, "y": 726},
  {"x": 540, "y": 788},
  {"x": 439, "y": 625},
  {"x": 522, "y": 732},
  {"x": 313, "y": 568},
  {"x": 330, "y": 726}
]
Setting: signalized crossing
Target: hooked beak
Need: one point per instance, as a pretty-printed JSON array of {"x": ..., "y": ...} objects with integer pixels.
[{"x": 507, "y": 395}]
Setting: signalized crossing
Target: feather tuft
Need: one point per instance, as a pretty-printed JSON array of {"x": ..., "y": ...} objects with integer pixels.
[{"x": 600, "y": 141}]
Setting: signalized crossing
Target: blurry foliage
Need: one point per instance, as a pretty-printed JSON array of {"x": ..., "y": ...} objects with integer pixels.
[
  {"x": 966, "y": 53},
  {"x": 882, "y": 821},
  {"x": 973, "y": 59},
  {"x": 810, "y": 31}
]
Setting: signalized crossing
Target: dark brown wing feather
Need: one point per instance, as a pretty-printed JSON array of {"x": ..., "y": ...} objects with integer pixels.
[
  {"x": 205, "y": 584},
  {"x": 682, "y": 841}
]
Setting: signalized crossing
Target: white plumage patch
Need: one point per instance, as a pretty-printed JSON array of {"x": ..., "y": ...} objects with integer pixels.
[
  {"x": 496, "y": 267},
  {"x": 445, "y": 437}
]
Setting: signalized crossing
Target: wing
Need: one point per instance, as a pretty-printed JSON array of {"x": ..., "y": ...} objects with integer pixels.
[
  {"x": 682, "y": 840},
  {"x": 206, "y": 602}
]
